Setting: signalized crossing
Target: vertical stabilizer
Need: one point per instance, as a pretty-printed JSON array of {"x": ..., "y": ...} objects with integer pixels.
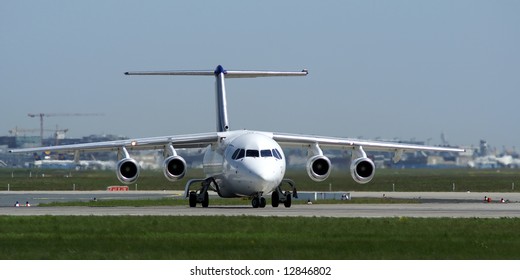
[
  {"x": 220, "y": 88},
  {"x": 220, "y": 74}
]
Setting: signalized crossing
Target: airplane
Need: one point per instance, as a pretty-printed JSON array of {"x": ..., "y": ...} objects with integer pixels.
[{"x": 240, "y": 163}]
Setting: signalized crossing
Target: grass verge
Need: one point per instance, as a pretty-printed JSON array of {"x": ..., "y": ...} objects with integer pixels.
[
  {"x": 244, "y": 237},
  {"x": 442, "y": 180}
]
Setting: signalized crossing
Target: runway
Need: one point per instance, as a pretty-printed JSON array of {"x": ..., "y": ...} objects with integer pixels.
[
  {"x": 432, "y": 205},
  {"x": 429, "y": 210}
]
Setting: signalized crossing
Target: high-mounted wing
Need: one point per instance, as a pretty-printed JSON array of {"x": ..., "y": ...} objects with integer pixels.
[
  {"x": 128, "y": 169},
  {"x": 151, "y": 143},
  {"x": 335, "y": 142},
  {"x": 362, "y": 168}
]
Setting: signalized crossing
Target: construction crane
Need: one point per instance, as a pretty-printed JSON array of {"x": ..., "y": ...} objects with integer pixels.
[{"x": 42, "y": 115}]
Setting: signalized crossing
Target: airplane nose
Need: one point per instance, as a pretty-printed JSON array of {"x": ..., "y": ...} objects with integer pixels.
[{"x": 265, "y": 175}]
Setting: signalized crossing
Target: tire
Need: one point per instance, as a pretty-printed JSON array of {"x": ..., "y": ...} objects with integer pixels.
[
  {"x": 262, "y": 202},
  {"x": 275, "y": 199},
  {"x": 288, "y": 201},
  {"x": 255, "y": 202},
  {"x": 205, "y": 202},
  {"x": 193, "y": 199}
]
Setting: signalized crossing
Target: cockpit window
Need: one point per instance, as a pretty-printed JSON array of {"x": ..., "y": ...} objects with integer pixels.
[
  {"x": 266, "y": 153},
  {"x": 277, "y": 154},
  {"x": 238, "y": 154},
  {"x": 252, "y": 153},
  {"x": 235, "y": 154},
  {"x": 241, "y": 154}
]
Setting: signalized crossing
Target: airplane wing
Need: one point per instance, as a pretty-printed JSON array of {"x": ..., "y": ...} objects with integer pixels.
[
  {"x": 348, "y": 143},
  {"x": 179, "y": 141}
]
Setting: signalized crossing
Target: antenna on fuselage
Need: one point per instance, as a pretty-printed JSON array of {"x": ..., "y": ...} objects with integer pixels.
[{"x": 220, "y": 74}]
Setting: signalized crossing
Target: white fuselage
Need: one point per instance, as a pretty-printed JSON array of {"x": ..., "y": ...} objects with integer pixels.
[{"x": 245, "y": 163}]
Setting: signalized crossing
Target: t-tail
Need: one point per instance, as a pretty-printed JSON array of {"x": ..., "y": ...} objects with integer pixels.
[{"x": 220, "y": 75}]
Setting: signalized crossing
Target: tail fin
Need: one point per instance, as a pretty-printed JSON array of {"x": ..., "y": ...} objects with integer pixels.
[{"x": 220, "y": 74}]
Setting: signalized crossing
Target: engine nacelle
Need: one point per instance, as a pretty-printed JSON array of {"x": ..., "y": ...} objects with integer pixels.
[
  {"x": 174, "y": 168},
  {"x": 318, "y": 168},
  {"x": 127, "y": 170},
  {"x": 362, "y": 170}
]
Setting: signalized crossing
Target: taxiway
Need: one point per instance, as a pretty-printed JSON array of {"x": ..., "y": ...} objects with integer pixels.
[
  {"x": 422, "y": 210},
  {"x": 453, "y": 204}
]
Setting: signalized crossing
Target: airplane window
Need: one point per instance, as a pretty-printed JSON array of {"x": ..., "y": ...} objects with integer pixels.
[
  {"x": 277, "y": 154},
  {"x": 252, "y": 153},
  {"x": 241, "y": 154},
  {"x": 235, "y": 154},
  {"x": 266, "y": 153}
]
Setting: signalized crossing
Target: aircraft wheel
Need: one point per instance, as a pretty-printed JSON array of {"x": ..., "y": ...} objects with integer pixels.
[
  {"x": 262, "y": 202},
  {"x": 205, "y": 202},
  {"x": 288, "y": 202},
  {"x": 255, "y": 202},
  {"x": 193, "y": 199},
  {"x": 275, "y": 199}
]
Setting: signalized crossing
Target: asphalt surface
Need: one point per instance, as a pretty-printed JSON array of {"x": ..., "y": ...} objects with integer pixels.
[
  {"x": 452, "y": 204},
  {"x": 425, "y": 210}
]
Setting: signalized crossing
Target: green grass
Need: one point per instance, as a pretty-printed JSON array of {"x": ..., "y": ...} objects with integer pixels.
[
  {"x": 257, "y": 238},
  {"x": 261, "y": 237},
  {"x": 385, "y": 180}
]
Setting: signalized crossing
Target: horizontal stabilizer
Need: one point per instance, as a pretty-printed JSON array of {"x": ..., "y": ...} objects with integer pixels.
[
  {"x": 178, "y": 73},
  {"x": 220, "y": 75},
  {"x": 227, "y": 73}
]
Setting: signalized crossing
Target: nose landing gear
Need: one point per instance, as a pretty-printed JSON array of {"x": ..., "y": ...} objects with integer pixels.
[{"x": 258, "y": 201}]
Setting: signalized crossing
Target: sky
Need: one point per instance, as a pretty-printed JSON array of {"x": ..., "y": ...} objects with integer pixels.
[{"x": 377, "y": 69}]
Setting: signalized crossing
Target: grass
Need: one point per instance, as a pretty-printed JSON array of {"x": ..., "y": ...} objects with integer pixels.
[
  {"x": 501, "y": 180},
  {"x": 243, "y": 237}
]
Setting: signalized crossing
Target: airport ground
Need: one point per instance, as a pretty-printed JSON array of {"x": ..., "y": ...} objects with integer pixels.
[
  {"x": 422, "y": 204},
  {"x": 385, "y": 180},
  {"x": 449, "y": 224},
  {"x": 434, "y": 193},
  {"x": 438, "y": 225}
]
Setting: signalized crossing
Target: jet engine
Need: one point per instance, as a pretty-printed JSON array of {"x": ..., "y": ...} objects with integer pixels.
[
  {"x": 318, "y": 168},
  {"x": 127, "y": 170},
  {"x": 362, "y": 170},
  {"x": 174, "y": 168}
]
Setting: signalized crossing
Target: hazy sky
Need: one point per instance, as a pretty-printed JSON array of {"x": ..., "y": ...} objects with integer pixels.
[{"x": 407, "y": 69}]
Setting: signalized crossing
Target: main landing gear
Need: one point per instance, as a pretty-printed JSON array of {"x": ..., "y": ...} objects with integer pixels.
[
  {"x": 279, "y": 196},
  {"x": 202, "y": 198},
  {"x": 202, "y": 195}
]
